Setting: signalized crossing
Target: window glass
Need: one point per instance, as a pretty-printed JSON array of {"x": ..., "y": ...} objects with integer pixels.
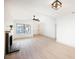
[
  {"x": 23, "y": 29},
  {"x": 20, "y": 28}
]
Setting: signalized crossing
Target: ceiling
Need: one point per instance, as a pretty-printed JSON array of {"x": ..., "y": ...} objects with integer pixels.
[{"x": 43, "y": 6}]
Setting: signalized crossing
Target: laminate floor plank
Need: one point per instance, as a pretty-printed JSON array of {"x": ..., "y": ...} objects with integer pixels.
[{"x": 40, "y": 47}]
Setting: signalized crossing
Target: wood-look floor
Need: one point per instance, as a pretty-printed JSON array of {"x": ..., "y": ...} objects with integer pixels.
[{"x": 41, "y": 47}]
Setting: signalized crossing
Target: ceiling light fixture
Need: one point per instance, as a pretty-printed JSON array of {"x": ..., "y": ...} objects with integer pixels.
[
  {"x": 35, "y": 18},
  {"x": 56, "y": 4}
]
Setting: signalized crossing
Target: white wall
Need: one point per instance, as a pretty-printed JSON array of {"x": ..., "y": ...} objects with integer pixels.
[
  {"x": 7, "y": 15},
  {"x": 47, "y": 26},
  {"x": 65, "y": 29},
  {"x": 19, "y": 11}
]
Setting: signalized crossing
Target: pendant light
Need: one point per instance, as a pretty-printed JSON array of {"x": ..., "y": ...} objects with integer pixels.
[{"x": 56, "y": 4}]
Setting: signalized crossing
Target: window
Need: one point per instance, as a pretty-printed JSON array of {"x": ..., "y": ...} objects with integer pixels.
[
  {"x": 23, "y": 29},
  {"x": 20, "y": 28},
  {"x": 27, "y": 29}
]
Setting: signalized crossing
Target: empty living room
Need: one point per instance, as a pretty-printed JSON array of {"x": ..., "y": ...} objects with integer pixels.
[{"x": 39, "y": 29}]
